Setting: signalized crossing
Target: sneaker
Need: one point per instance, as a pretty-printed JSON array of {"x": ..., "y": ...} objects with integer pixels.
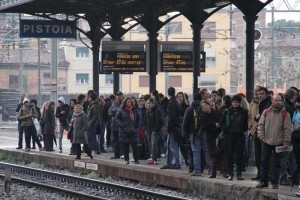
[
  {"x": 27, "y": 149},
  {"x": 19, "y": 148},
  {"x": 114, "y": 157},
  {"x": 275, "y": 186},
  {"x": 155, "y": 163},
  {"x": 175, "y": 166},
  {"x": 42, "y": 149},
  {"x": 60, "y": 151},
  {"x": 127, "y": 162},
  {"x": 122, "y": 157},
  {"x": 194, "y": 174},
  {"x": 149, "y": 159},
  {"x": 166, "y": 167},
  {"x": 132, "y": 160},
  {"x": 151, "y": 162},
  {"x": 136, "y": 162},
  {"x": 163, "y": 155},
  {"x": 33, "y": 147},
  {"x": 262, "y": 185}
]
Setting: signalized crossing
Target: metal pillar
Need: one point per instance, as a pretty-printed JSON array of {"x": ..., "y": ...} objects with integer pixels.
[
  {"x": 116, "y": 75},
  {"x": 53, "y": 96},
  {"x": 196, "y": 55},
  {"x": 96, "y": 51},
  {"x": 153, "y": 42},
  {"x": 250, "y": 26},
  {"x": 39, "y": 74}
]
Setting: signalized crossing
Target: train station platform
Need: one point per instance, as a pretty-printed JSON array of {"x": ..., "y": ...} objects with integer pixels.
[{"x": 218, "y": 188}]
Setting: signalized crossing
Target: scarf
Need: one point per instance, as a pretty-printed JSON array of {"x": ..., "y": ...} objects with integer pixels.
[{"x": 129, "y": 109}]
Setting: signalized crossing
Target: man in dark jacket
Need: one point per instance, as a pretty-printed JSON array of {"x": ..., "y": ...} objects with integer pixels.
[
  {"x": 174, "y": 131},
  {"x": 94, "y": 121},
  {"x": 264, "y": 103},
  {"x": 20, "y": 128},
  {"x": 62, "y": 112},
  {"x": 289, "y": 105},
  {"x": 190, "y": 128}
]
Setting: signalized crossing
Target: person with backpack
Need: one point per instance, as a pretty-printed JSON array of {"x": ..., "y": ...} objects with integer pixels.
[
  {"x": 295, "y": 139},
  {"x": 153, "y": 125},
  {"x": 26, "y": 115},
  {"x": 289, "y": 105},
  {"x": 234, "y": 123},
  {"x": 274, "y": 129},
  {"x": 190, "y": 129}
]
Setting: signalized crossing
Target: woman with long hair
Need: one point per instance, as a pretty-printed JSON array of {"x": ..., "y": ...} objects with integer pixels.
[
  {"x": 209, "y": 123},
  {"x": 127, "y": 120},
  {"x": 73, "y": 102},
  {"x": 49, "y": 130}
]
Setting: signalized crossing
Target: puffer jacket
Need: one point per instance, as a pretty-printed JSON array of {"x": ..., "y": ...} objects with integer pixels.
[
  {"x": 27, "y": 121},
  {"x": 273, "y": 128}
]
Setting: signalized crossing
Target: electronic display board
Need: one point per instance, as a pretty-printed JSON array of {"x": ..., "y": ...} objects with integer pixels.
[
  {"x": 179, "y": 61},
  {"x": 119, "y": 61}
]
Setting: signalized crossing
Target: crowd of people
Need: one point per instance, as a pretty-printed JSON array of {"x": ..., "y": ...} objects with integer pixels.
[{"x": 212, "y": 133}]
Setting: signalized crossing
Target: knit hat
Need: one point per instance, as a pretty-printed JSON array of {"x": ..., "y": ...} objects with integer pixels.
[{"x": 25, "y": 100}]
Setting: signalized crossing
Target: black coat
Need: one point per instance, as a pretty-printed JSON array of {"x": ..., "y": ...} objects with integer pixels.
[
  {"x": 62, "y": 117},
  {"x": 153, "y": 120},
  {"x": 173, "y": 114},
  {"x": 289, "y": 106},
  {"x": 127, "y": 128},
  {"x": 238, "y": 121},
  {"x": 189, "y": 118},
  {"x": 49, "y": 122}
]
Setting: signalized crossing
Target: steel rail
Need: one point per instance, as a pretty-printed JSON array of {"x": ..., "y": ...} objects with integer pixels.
[
  {"x": 112, "y": 187},
  {"x": 57, "y": 190}
]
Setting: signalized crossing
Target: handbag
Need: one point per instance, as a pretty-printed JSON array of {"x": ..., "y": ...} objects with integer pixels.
[
  {"x": 70, "y": 132},
  {"x": 221, "y": 141},
  {"x": 36, "y": 124}
]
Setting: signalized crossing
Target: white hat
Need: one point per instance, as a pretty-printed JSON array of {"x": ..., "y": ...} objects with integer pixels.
[{"x": 25, "y": 100}]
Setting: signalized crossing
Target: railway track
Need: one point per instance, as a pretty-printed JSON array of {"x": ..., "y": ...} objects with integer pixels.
[{"x": 125, "y": 191}]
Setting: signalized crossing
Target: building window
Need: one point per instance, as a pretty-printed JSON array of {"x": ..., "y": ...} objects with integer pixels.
[
  {"x": 208, "y": 31},
  {"x": 46, "y": 75},
  {"x": 13, "y": 81},
  {"x": 82, "y": 78},
  {"x": 82, "y": 52},
  {"x": 174, "y": 28},
  {"x": 175, "y": 81},
  {"x": 109, "y": 79},
  {"x": 143, "y": 81},
  {"x": 210, "y": 58}
]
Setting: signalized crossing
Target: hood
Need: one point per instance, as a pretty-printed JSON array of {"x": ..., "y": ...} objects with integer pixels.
[
  {"x": 62, "y": 99},
  {"x": 196, "y": 103},
  {"x": 25, "y": 100}
]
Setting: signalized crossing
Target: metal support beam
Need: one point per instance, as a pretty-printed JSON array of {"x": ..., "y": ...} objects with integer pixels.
[
  {"x": 250, "y": 26},
  {"x": 116, "y": 75},
  {"x": 53, "y": 96},
  {"x": 196, "y": 55},
  {"x": 153, "y": 42}
]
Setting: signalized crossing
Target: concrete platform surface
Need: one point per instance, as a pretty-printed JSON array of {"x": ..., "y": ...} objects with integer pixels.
[{"x": 218, "y": 188}]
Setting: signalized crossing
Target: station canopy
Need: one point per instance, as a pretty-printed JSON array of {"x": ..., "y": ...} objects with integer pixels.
[{"x": 104, "y": 9}]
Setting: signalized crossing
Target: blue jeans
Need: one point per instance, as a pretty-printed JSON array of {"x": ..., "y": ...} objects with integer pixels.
[
  {"x": 205, "y": 150},
  {"x": 61, "y": 134},
  {"x": 101, "y": 136},
  {"x": 172, "y": 150},
  {"x": 21, "y": 131},
  {"x": 196, "y": 148},
  {"x": 152, "y": 139}
]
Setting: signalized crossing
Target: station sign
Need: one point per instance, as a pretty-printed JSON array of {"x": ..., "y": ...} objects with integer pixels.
[
  {"x": 180, "y": 61},
  {"x": 123, "y": 61},
  {"x": 47, "y": 29},
  {"x": 178, "y": 57}
]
